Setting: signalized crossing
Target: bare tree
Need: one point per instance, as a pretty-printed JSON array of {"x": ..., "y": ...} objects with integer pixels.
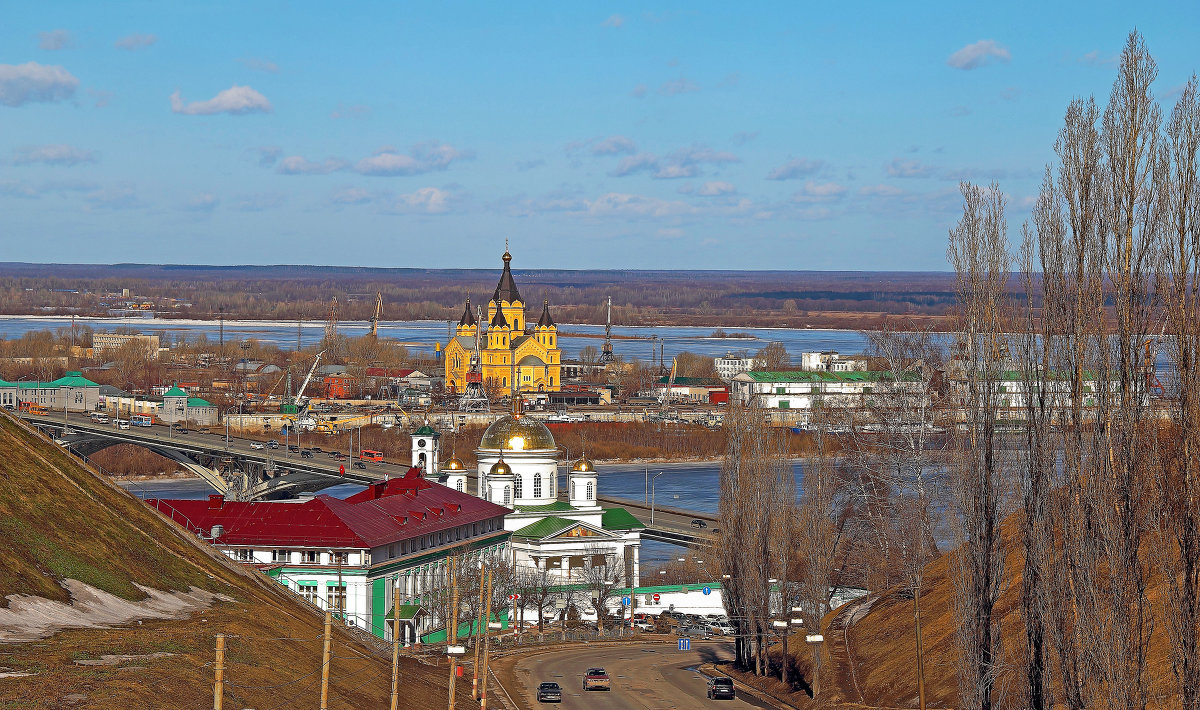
[
  {"x": 602, "y": 574},
  {"x": 979, "y": 252},
  {"x": 537, "y": 586},
  {"x": 773, "y": 357}
]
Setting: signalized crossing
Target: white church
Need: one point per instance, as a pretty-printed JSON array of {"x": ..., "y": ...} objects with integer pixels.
[{"x": 518, "y": 468}]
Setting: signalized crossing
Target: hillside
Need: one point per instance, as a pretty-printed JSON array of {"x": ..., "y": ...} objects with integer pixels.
[{"x": 103, "y": 604}]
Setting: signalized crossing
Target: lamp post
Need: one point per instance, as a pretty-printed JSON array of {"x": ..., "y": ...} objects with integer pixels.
[{"x": 652, "y": 482}]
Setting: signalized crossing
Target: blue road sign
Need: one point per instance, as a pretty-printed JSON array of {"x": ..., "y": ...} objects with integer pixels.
[
  {"x": 624, "y": 601},
  {"x": 685, "y": 644},
  {"x": 708, "y": 590}
]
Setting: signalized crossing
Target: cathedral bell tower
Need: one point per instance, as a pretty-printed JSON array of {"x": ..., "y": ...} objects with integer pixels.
[{"x": 425, "y": 449}]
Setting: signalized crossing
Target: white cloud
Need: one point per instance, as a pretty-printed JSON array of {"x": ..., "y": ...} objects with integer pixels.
[
  {"x": 32, "y": 83},
  {"x": 351, "y": 196},
  {"x": 427, "y": 200},
  {"x": 297, "y": 165},
  {"x": 670, "y": 233},
  {"x": 682, "y": 85},
  {"x": 908, "y": 168},
  {"x": 881, "y": 191},
  {"x": 614, "y": 145},
  {"x": 135, "y": 41},
  {"x": 424, "y": 158},
  {"x": 113, "y": 197},
  {"x": 260, "y": 64},
  {"x": 979, "y": 54},
  {"x": 613, "y": 21},
  {"x": 204, "y": 202},
  {"x": 1097, "y": 58},
  {"x": 797, "y": 168},
  {"x": 675, "y": 171},
  {"x": 715, "y": 189},
  {"x": 819, "y": 192},
  {"x": 682, "y": 163},
  {"x": 616, "y": 204},
  {"x": 639, "y": 91},
  {"x": 55, "y": 40},
  {"x": 58, "y": 154},
  {"x": 236, "y": 100},
  {"x": 634, "y": 164}
]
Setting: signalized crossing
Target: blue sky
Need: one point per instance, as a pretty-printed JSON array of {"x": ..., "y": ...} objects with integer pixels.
[{"x": 591, "y": 135}]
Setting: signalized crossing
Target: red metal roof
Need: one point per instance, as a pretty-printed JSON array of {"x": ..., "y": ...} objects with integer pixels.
[
  {"x": 389, "y": 372},
  {"x": 383, "y": 513}
]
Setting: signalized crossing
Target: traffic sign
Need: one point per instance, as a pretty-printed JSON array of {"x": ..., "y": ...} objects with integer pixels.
[
  {"x": 656, "y": 597},
  {"x": 513, "y": 597},
  {"x": 685, "y": 644},
  {"x": 708, "y": 590},
  {"x": 625, "y": 601}
]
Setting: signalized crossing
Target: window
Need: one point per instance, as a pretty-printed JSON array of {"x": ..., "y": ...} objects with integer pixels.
[
  {"x": 335, "y": 597},
  {"x": 339, "y": 558},
  {"x": 572, "y": 489},
  {"x": 537, "y": 485},
  {"x": 518, "y": 487},
  {"x": 507, "y": 499},
  {"x": 280, "y": 555},
  {"x": 243, "y": 555},
  {"x": 310, "y": 557},
  {"x": 784, "y": 404},
  {"x": 459, "y": 485},
  {"x": 589, "y": 490},
  {"x": 308, "y": 592}
]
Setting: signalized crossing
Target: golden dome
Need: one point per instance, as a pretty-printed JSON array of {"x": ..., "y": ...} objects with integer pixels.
[
  {"x": 500, "y": 469},
  {"x": 517, "y": 434},
  {"x": 453, "y": 465},
  {"x": 583, "y": 465}
]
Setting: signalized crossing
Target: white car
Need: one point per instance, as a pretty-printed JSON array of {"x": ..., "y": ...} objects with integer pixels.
[{"x": 255, "y": 445}]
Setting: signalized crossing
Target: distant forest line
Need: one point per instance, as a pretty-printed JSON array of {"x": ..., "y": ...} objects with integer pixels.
[{"x": 794, "y": 299}]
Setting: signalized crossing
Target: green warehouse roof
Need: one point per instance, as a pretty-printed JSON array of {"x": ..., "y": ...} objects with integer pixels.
[
  {"x": 803, "y": 376},
  {"x": 197, "y": 402}
]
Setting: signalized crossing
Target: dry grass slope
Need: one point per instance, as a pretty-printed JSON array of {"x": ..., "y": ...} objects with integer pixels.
[{"x": 62, "y": 521}]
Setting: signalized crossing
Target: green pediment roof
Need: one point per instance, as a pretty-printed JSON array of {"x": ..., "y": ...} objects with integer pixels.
[
  {"x": 620, "y": 519},
  {"x": 545, "y": 527}
]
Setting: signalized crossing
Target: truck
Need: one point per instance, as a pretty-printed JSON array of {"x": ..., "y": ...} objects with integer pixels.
[{"x": 596, "y": 679}]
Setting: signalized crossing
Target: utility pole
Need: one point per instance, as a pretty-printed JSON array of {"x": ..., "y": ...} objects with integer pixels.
[
  {"x": 920, "y": 649},
  {"x": 219, "y": 685},
  {"x": 487, "y": 636},
  {"x": 395, "y": 646},
  {"x": 478, "y": 628},
  {"x": 325, "y": 661},
  {"x": 452, "y": 630}
]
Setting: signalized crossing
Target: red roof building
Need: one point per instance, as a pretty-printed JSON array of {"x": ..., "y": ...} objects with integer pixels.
[{"x": 352, "y": 555}]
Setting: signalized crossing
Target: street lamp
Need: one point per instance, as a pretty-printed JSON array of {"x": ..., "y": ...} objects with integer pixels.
[{"x": 652, "y": 482}]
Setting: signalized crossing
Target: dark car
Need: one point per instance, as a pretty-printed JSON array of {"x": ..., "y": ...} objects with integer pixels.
[
  {"x": 316, "y": 448},
  {"x": 294, "y": 449},
  {"x": 334, "y": 454},
  {"x": 699, "y": 524},
  {"x": 720, "y": 689},
  {"x": 360, "y": 464},
  {"x": 549, "y": 693},
  {"x": 306, "y": 454}
]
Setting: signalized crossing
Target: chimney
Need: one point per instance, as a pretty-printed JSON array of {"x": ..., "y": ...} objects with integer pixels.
[{"x": 216, "y": 501}]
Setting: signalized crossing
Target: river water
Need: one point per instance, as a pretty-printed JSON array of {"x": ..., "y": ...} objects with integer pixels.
[
  {"x": 694, "y": 486},
  {"x": 421, "y": 335}
]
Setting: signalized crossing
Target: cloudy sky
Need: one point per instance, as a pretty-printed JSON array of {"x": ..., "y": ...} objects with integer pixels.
[{"x": 759, "y": 135}]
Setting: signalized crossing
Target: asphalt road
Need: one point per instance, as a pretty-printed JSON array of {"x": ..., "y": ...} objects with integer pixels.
[{"x": 643, "y": 676}]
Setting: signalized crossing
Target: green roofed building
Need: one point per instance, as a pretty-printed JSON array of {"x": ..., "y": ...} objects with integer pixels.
[
  {"x": 191, "y": 411},
  {"x": 74, "y": 391},
  {"x": 801, "y": 393}
]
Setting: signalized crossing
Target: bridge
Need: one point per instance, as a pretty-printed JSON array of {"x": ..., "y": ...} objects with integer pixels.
[
  {"x": 230, "y": 466},
  {"x": 669, "y": 524}
]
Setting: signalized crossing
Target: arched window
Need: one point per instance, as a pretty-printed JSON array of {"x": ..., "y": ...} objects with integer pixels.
[
  {"x": 589, "y": 491},
  {"x": 518, "y": 489},
  {"x": 459, "y": 485},
  {"x": 507, "y": 499},
  {"x": 537, "y": 485},
  {"x": 572, "y": 489},
  {"x": 553, "y": 483}
]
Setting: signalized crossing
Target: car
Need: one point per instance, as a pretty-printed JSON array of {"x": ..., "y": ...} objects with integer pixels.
[
  {"x": 694, "y": 630},
  {"x": 699, "y": 524},
  {"x": 716, "y": 531},
  {"x": 316, "y": 449},
  {"x": 334, "y": 454},
  {"x": 596, "y": 679},
  {"x": 273, "y": 444},
  {"x": 721, "y": 629},
  {"x": 643, "y": 625},
  {"x": 306, "y": 454},
  {"x": 549, "y": 693},
  {"x": 294, "y": 449},
  {"x": 720, "y": 689},
  {"x": 360, "y": 464},
  {"x": 256, "y": 445}
]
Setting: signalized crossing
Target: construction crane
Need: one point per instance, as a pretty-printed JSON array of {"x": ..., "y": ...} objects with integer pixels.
[
  {"x": 298, "y": 406},
  {"x": 331, "y": 322},
  {"x": 606, "y": 352},
  {"x": 375, "y": 316},
  {"x": 474, "y": 398}
]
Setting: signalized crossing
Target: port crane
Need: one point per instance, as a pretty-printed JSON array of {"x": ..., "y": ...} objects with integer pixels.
[
  {"x": 331, "y": 322},
  {"x": 606, "y": 351},
  {"x": 374, "y": 333},
  {"x": 299, "y": 404},
  {"x": 474, "y": 398}
]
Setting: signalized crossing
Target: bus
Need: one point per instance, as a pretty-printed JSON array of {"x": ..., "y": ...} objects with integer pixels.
[
  {"x": 38, "y": 409},
  {"x": 369, "y": 455},
  {"x": 141, "y": 420}
]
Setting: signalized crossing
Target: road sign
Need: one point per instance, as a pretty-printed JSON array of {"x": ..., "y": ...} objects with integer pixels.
[
  {"x": 685, "y": 644},
  {"x": 656, "y": 597},
  {"x": 513, "y": 597},
  {"x": 625, "y": 601},
  {"x": 708, "y": 590}
]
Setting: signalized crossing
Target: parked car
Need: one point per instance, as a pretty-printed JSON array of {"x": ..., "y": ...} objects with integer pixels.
[
  {"x": 721, "y": 629},
  {"x": 306, "y": 454},
  {"x": 549, "y": 693},
  {"x": 720, "y": 689},
  {"x": 643, "y": 626},
  {"x": 256, "y": 445},
  {"x": 694, "y": 630},
  {"x": 596, "y": 679},
  {"x": 699, "y": 524}
]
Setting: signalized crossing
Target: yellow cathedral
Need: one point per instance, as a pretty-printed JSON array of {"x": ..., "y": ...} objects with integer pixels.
[{"x": 507, "y": 339}]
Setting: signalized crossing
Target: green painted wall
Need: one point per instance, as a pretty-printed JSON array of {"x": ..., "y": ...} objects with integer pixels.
[{"x": 378, "y": 606}]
